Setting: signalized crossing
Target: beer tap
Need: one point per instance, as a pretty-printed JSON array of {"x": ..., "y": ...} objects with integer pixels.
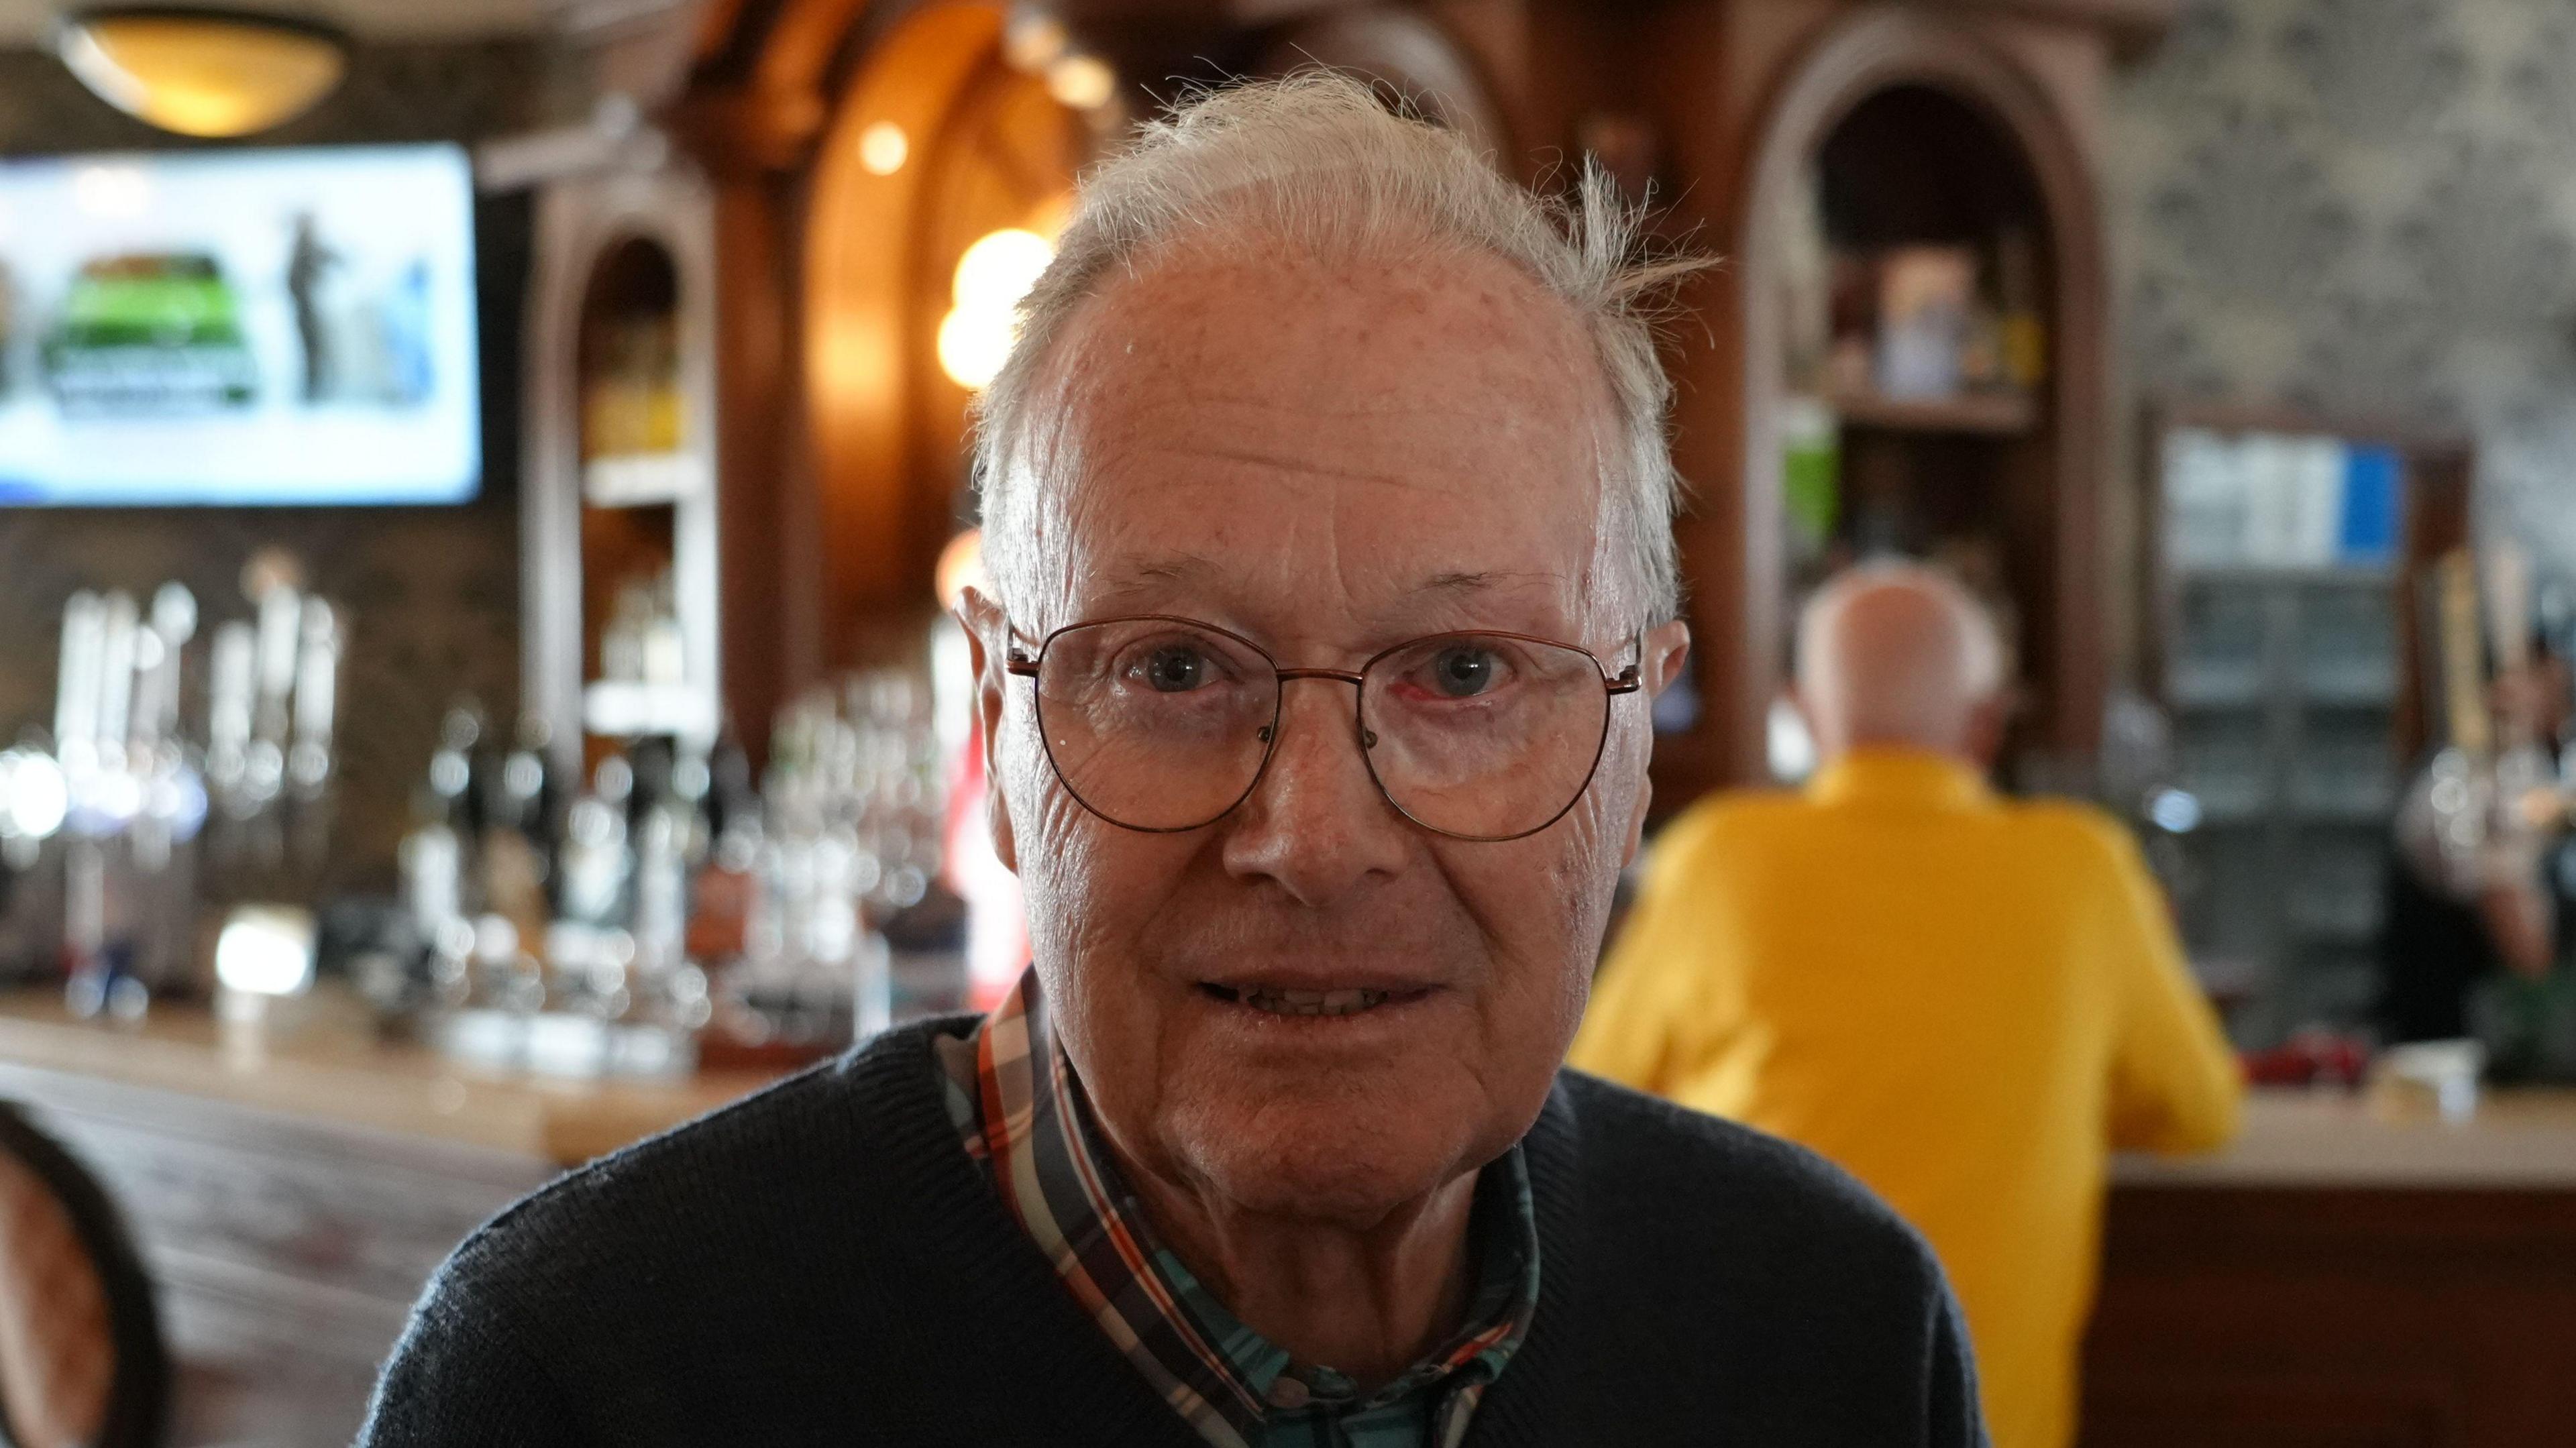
[
  {"x": 98, "y": 910},
  {"x": 229, "y": 686},
  {"x": 163, "y": 837},
  {"x": 316, "y": 705},
  {"x": 317, "y": 696}
]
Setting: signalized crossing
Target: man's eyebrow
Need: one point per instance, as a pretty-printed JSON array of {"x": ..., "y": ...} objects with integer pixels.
[{"x": 1138, "y": 572}]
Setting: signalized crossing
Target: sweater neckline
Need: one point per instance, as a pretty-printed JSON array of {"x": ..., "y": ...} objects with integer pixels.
[
  {"x": 1034, "y": 1328},
  {"x": 1037, "y": 1328}
]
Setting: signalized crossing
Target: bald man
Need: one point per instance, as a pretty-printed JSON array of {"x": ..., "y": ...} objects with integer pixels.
[{"x": 1966, "y": 1001}]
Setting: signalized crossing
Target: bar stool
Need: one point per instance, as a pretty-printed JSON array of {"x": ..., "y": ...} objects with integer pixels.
[{"x": 81, "y": 1359}]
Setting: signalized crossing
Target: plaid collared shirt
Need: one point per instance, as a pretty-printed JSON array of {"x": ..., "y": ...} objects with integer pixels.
[{"x": 1020, "y": 1110}]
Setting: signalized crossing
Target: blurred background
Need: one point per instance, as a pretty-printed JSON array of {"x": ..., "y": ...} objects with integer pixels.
[{"x": 480, "y": 482}]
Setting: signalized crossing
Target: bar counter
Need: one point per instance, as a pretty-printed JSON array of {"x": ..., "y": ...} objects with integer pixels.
[
  {"x": 2313, "y": 1139},
  {"x": 318, "y": 1059},
  {"x": 2350, "y": 1271},
  {"x": 292, "y": 1184}
]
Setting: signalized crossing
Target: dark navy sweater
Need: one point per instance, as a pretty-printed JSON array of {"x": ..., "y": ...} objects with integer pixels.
[{"x": 822, "y": 1263}]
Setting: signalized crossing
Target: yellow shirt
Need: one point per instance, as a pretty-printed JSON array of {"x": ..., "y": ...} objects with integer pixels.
[{"x": 1964, "y": 1001}]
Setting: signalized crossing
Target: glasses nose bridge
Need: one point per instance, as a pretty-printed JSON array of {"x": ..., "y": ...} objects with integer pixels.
[
  {"x": 1279, "y": 717},
  {"x": 1339, "y": 676}
]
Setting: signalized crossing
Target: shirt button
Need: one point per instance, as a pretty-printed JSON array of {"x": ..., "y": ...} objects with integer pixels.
[{"x": 1287, "y": 1392}]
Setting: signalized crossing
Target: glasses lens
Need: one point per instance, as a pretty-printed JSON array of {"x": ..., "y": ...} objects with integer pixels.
[
  {"x": 1483, "y": 735},
  {"x": 1153, "y": 724}
]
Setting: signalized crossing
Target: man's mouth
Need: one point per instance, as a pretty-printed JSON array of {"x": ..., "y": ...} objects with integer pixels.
[{"x": 1282, "y": 1001}]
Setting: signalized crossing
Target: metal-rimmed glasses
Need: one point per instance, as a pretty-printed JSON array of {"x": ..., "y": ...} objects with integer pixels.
[{"x": 1161, "y": 723}]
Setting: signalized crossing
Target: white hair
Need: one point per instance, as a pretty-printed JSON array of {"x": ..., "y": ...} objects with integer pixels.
[
  {"x": 1317, "y": 161},
  {"x": 1911, "y": 664}
]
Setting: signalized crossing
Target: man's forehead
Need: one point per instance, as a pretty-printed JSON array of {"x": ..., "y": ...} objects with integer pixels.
[
  {"x": 1142, "y": 572},
  {"x": 1360, "y": 333}
]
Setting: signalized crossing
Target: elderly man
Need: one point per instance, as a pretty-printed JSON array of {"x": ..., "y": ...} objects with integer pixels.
[
  {"x": 1964, "y": 1001},
  {"x": 1327, "y": 517}
]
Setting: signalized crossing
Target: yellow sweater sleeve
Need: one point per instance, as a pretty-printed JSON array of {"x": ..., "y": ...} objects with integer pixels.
[
  {"x": 1645, "y": 992},
  {"x": 2175, "y": 1084}
]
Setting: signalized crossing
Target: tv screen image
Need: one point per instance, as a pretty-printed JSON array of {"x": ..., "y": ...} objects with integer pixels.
[{"x": 239, "y": 327}]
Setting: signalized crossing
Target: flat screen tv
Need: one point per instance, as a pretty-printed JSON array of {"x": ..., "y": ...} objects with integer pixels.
[{"x": 239, "y": 327}]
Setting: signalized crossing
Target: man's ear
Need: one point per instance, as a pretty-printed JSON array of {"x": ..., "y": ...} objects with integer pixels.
[
  {"x": 988, "y": 643},
  {"x": 1987, "y": 725},
  {"x": 1666, "y": 648}
]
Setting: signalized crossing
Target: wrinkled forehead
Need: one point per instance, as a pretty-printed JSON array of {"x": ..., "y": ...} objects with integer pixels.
[{"x": 1379, "y": 439}]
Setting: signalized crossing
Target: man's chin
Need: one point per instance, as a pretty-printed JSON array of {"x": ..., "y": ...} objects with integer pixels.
[{"x": 1317, "y": 1163}]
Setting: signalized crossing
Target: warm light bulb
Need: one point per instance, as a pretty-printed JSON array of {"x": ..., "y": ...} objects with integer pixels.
[
  {"x": 883, "y": 148},
  {"x": 975, "y": 337},
  {"x": 973, "y": 346},
  {"x": 1033, "y": 40},
  {"x": 1000, "y": 268},
  {"x": 1083, "y": 82}
]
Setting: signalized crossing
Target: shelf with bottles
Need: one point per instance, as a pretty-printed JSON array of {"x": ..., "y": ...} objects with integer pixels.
[
  {"x": 641, "y": 685},
  {"x": 2264, "y": 505},
  {"x": 1914, "y": 278},
  {"x": 667, "y": 910},
  {"x": 632, "y": 709},
  {"x": 638, "y": 480},
  {"x": 632, "y": 404},
  {"x": 2285, "y": 551},
  {"x": 1910, "y": 277},
  {"x": 1991, "y": 414}
]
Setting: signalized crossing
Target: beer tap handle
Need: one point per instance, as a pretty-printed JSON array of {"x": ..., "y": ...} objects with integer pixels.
[
  {"x": 2463, "y": 680},
  {"x": 229, "y": 687},
  {"x": 174, "y": 622},
  {"x": 281, "y": 611},
  {"x": 317, "y": 696},
  {"x": 116, "y": 661},
  {"x": 77, "y": 675}
]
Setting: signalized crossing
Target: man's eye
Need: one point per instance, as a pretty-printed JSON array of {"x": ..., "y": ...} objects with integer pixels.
[
  {"x": 1174, "y": 670},
  {"x": 1463, "y": 673}
]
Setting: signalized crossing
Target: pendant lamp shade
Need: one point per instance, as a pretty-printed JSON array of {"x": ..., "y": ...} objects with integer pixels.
[{"x": 202, "y": 72}]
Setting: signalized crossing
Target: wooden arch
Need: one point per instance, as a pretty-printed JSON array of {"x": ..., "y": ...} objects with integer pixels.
[
  {"x": 861, "y": 276},
  {"x": 785, "y": 90},
  {"x": 1869, "y": 53}
]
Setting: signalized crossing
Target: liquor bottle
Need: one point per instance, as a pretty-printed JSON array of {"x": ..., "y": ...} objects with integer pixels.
[
  {"x": 453, "y": 777},
  {"x": 594, "y": 860},
  {"x": 520, "y": 832},
  {"x": 724, "y": 889},
  {"x": 438, "y": 890},
  {"x": 662, "y": 818}
]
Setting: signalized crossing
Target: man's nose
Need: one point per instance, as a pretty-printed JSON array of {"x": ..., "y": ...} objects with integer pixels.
[{"x": 1316, "y": 824}]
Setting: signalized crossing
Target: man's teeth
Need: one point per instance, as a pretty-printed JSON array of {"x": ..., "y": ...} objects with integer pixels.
[{"x": 1312, "y": 1002}]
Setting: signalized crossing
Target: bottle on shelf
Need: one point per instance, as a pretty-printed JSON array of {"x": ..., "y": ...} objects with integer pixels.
[
  {"x": 519, "y": 833},
  {"x": 595, "y": 858}
]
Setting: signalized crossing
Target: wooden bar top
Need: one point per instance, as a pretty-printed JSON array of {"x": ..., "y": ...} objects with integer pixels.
[
  {"x": 2369, "y": 1139},
  {"x": 320, "y": 1058}
]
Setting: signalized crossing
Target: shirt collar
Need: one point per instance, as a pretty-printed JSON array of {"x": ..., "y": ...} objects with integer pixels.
[
  {"x": 1893, "y": 774},
  {"x": 1021, "y": 1109}
]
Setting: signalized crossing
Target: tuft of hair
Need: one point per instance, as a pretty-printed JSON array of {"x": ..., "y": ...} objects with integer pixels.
[{"x": 1319, "y": 161}]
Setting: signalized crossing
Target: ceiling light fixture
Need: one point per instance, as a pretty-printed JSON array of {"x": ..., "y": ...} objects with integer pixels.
[{"x": 199, "y": 71}]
